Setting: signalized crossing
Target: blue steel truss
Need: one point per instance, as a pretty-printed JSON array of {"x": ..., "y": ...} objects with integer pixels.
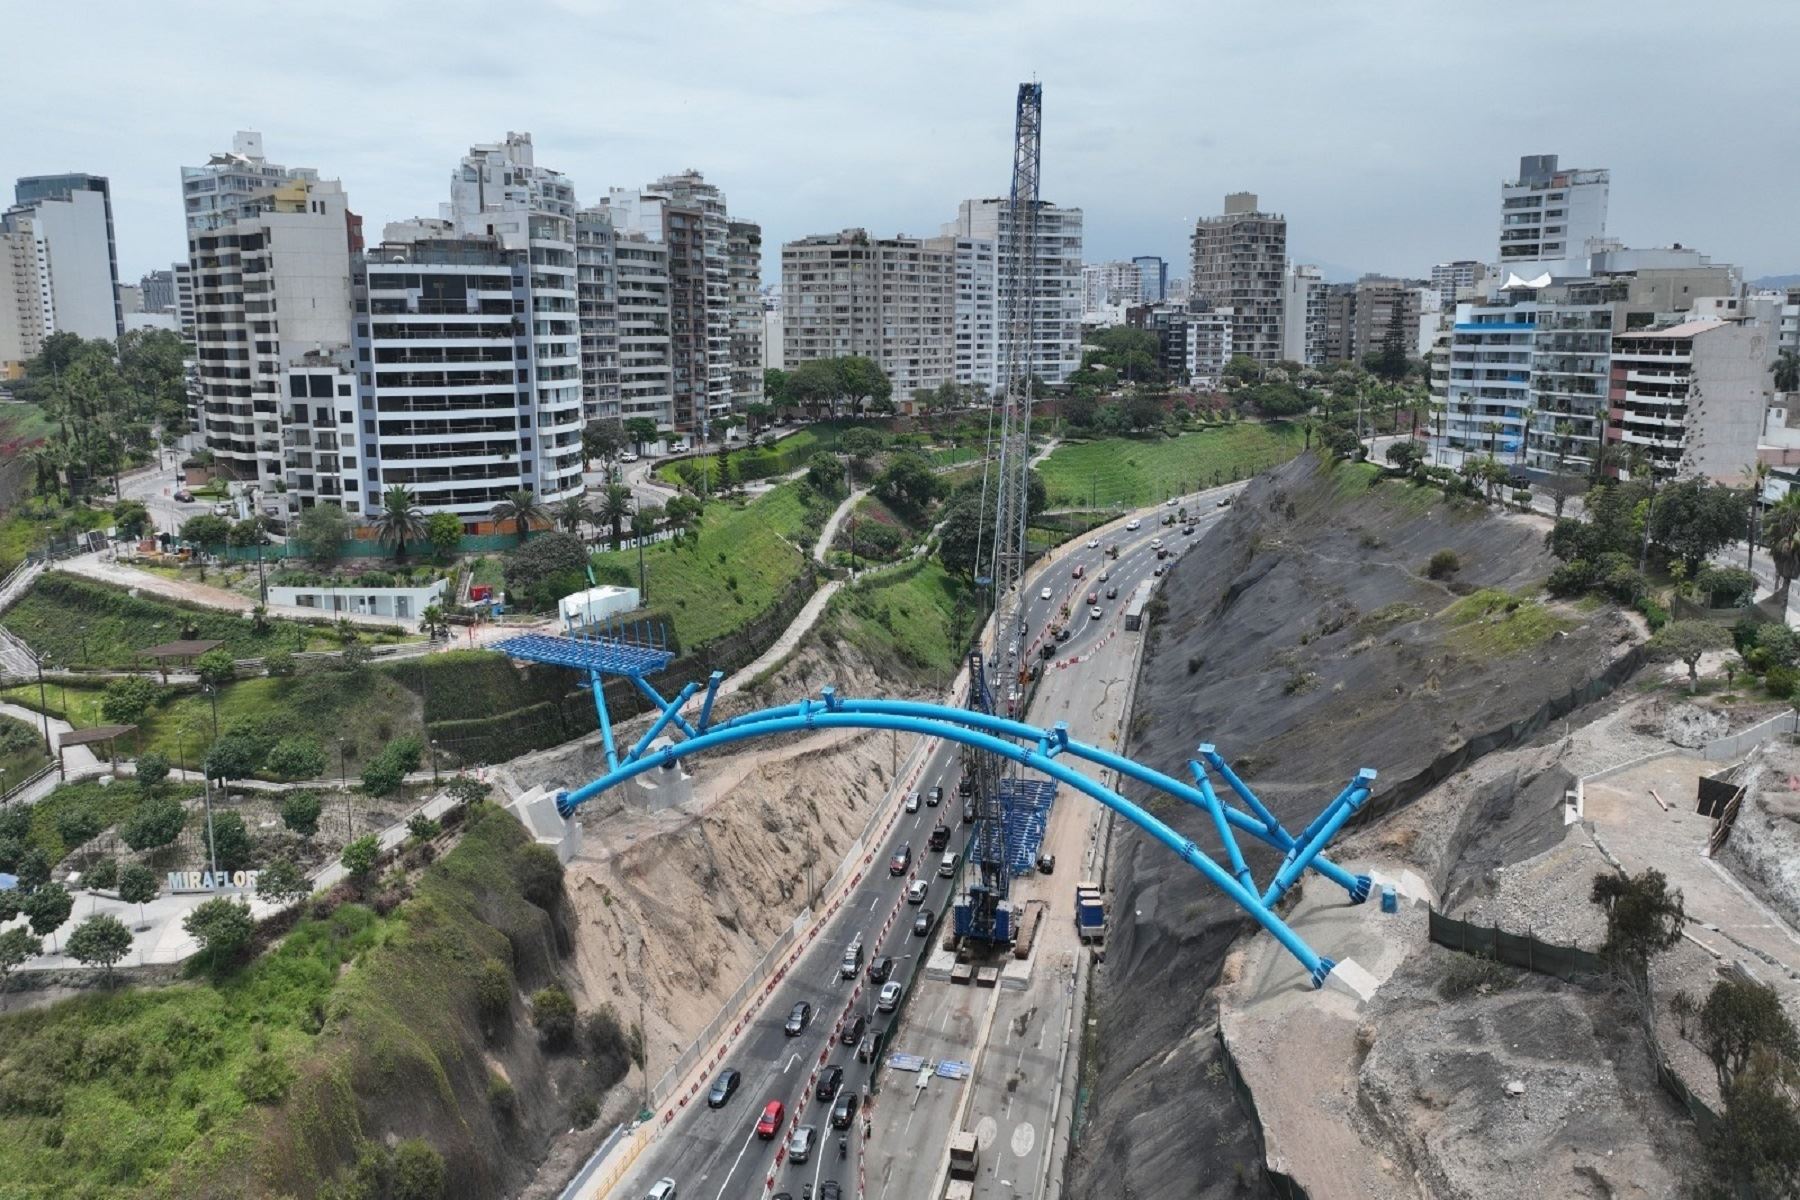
[
  {"x": 1024, "y": 816},
  {"x": 1035, "y": 749}
]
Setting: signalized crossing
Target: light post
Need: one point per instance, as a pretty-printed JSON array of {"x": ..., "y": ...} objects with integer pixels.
[
  {"x": 344, "y": 786},
  {"x": 212, "y": 691},
  {"x": 44, "y": 705},
  {"x": 434, "y": 763}
]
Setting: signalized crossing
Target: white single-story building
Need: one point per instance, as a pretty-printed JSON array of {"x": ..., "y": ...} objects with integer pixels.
[{"x": 400, "y": 603}]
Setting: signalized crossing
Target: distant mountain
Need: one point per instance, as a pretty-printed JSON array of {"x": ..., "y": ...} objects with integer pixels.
[{"x": 1775, "y": 283}]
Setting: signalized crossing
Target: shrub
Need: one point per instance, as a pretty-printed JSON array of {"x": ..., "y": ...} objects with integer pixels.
[
  {"x": 1572, "y": 578},
  {"x": 1620, "y": 578},
  {"x": 1443, "y": 564},
  {"x": 128, "y": 698},
  {"x": 540, "y": 876},
  {"x": 1780, "y": 645},
  {"x": 553, "y": 1014},
  {"x": 297, "y": 757},
  {"x": 501, "y": 1096},
  {"x": 222, "y": 927},
  {"x": 103, "y": 875},
  {"x": 1782, "y": 681},
  {"x": 216, "y": 667},
  {"x": 156, "y": 822},
  {"x": 418, "y": 1172},
  {"x": 279, "y": 664},
  {"x": 493, "y": 994},
  {"x": 360, "y": 855},
  {"x": 609, "y": 1049},
  {"x": 265, "y": 1079},
  {"x": 300, "y": 813},
  {"x": 152, "y": 769},
  {"x": 422, "y": 828},
  {"x": 78, "y": 824},
  {"x": 228, "y": 841},
  {"x": 1725, "y": 587},
  {"x": 585, "y": 1112}
]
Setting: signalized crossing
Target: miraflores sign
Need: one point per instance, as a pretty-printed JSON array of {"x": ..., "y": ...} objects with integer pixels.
[{"x": 188, "y": 882}]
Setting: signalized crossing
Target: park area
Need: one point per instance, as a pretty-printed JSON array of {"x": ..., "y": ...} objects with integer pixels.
[{"x": 1129, "y": 472}]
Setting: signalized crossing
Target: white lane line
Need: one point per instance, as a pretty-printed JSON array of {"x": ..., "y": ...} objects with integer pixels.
[
  {"x": 873, "y": 903},
  {"x": 736, "y": 1161},
  {"x": 791, "y": 1062}
]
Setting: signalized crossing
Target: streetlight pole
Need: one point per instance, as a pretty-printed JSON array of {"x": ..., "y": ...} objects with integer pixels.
[
  {"x": 434, "y": 763},
  {"x": 344, "y": 786},
  {"x": 44, "y": 705}
]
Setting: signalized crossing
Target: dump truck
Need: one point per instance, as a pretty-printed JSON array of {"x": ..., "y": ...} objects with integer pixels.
[
  {"x": 964, "y": 1153},
  {"x": 1090, "y": 912},
  {"x": 1140, "y": 600}
]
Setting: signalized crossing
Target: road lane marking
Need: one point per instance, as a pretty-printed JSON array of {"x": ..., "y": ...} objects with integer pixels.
[
  {"x": 791, "y": 1062},
  {"x": 737, "y": 1160}
]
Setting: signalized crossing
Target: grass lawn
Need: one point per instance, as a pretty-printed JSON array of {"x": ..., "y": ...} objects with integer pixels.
[
  {"x": 745, "y": 555},
  {"x": 1493, "y": 623},
  {"x": 72, "y": 620},
  {"x": 782, "y": 457},
  {"x": 21, "y": 425},
  {"x": 22, "y": 752},
  {"x": 1130, "y": 472},
  {"x": 918, "y": 614}
]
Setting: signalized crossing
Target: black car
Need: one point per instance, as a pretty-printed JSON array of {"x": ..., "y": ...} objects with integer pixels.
[
  {"x": 829, "y": 1190},
  {"x": 880, "y": 968},
  {"x": 830, "y": 1080},
  {"x": 723, "y": 1088},
  {"x": 1062, "y": 635},
  {"x": 935, "y": 797},
  {"x": 922, "y": 923},
  {"x": 853, "y": 1030},
  {"x": 965, "y": 786},
  {"x": 798, "y": 1019},
  {"x": 844, "y": 1111},
  {"x": 902, "y": 859}
]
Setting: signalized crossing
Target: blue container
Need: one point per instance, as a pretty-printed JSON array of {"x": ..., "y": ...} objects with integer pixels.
[{"x": 1389, "y": 901}]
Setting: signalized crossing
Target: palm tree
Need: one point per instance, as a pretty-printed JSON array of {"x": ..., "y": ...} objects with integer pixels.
[
  {"x": 400, "y": 518},
  {"x": 615, "y": 508},
  {"x": 572, "y": 513},
  {"x": 1781, "y": 535},
  {"x": 521, "y": 507},
  {"x": 433, "y": 621},
  {"x": 1755, "y": 477}
]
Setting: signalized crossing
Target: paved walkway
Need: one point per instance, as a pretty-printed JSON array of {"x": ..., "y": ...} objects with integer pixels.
[
  {"x": 1722, "y": 914},
  {"x": 838, "y": 516},
  {"x": 101, "y": 566},
  {"x": 77, "y": 760}
]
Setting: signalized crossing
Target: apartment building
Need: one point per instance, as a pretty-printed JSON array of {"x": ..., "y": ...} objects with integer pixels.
[
  {"x": 1488, "y": 386},
  {"x": 1239, "y": 262},
  {"x": 1386, "y": 308},
  {"x": 743, "y": 247},
  {"x": 1052, "y": 287},
  {"x": 700, "y": 291},
  {"x": 597, "y": 307},
  {"x": 976, "y": 349},
  {"x": 646, "y": 385},
  {"x": 1153, "y": 279},
  {"x": 71, "y": 218},
  {"x": 1547, "y": 217},
  {"x": 1459, "y": 280},
  {"x": 1303, "y": 297},
  {"x": 1209, "y": 348},
  {"x": 889, "y": 299},
  {"x": 1340, "y": 323},
  {"x": 1109, "y": 285},
  {"x": 1692, "y": 396}
]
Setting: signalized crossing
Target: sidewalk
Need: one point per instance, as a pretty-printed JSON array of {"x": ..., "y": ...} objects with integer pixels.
[
  {"x": 100, "y": 566},
  {"x": 78, "y": 761}
]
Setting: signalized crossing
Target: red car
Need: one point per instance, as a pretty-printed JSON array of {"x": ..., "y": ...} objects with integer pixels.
[
  {"x": 769, "y": 1124},
  {"x": 1093, "y": 597},
  {"x": 1079, "y": 571}
]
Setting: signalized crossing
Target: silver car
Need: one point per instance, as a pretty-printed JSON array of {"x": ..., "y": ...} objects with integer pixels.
[
  {"x": 800, "y": 1143},
  {"x": 662, "y": 1189}
]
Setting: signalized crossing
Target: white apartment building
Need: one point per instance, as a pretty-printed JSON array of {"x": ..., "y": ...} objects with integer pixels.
[
  {"x": 1459, "y": 280},
  {"x": 1054, "y": 283},
  {"x": 499, "y": 191},
  {"x": 889, "y": 299},
  {"x": 774, "y": 344},
  {"x": 1105, "y": 286},
  {"x": 1208, "y": 346},
  {"x": 597, "y": 305},
  {"x": 1547, "y": 217},
  {"x": 58, "y": 266},
  {"x": 1488, "y": 386},
  {"x": 744, "y": 255},
  {"x": 646, "y": 388},
  {"x": 1692, "y": 396},
  {"x": 269, "y": 252},
  {"x": 976, "y": 352},
  {"x": 1303, "y": 315},
  {"x": 700, "y": 293},
  {"x": 1239, "y": 262}
]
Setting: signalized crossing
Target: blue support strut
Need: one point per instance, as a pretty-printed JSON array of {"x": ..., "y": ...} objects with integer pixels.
[
  {"x": 655, "y": 698},
  {"x": 1216, "y": 761},
  {"x": 670, "y": 712},
  {"x": 1238, "y": 867},
  {"x": 606, "y": 736},
  {"x": 1341, "y": 810},
  {"x": 712, "y": 691},
  {"x": 860, "y": 715}
]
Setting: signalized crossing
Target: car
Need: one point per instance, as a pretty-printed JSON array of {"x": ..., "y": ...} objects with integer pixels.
[
  {"x": 968, "y": 812},
  {"x": 769, "y": 1124},
  {"x": 851, "y": 963},
  {"x": 922, "y": 923},
  {"x": 798, "y": 1019},
  {"x": 890, "y": 997},
  {"x": 940, "y": 836},
  {"x": 853, "y": 1031},
  {"x": 1093, "y": 543},
  {"x": 1225, "y": 502},
  {"x": 1044, "y": 593},
  {"x": 935, "y": 796},
  {"x": 222, "y": 509},
  {"x": 628, "y": 456},
  {"x": 902, "y": 859},
  {"x": 1095, "y": 614},
  {"x": 1159, "y": 572},
  {"x": 1047, "y": 864},
  {"x": 800, "y": 1143},
  {"x": 1104, "y": 576},
  {"x": 915, "y": 891},
  {"x": 1156, "y": 543},
  {"x": 1078, "y": 572},
  {"x": 1093, "y": 597},
  {"x": 678, "y": 448},
  {"x": 965, "y": 786},
  {"x": 1162, "y": 553},
  {"x": 880, "y": 968},
  {"x": 1133, "y": 525},
  {"x": 829, "y": 1190},
  {"x": 912, "y": 802},
  {"x": 865, "y": 1049},
  {"x": 1112, "y": 593},
  {"x": 662, "y": 1189},
  {"x": 1062, "y": 635},
  {"x": 183, "y": 495},
  {"x": 1188, "y": 531},
  {"x": 1169, "y": 503},
  {"x": 1112, "y": 551},
  {"x": 830, "y": 1080},
  {"x": 947, "y": 864},
  {"x": 843, "y": 1111},
  {"x": 724, "y": 1088}
]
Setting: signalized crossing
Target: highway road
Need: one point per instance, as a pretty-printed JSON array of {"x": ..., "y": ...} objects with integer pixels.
[{"x": 715, "y": 1153}]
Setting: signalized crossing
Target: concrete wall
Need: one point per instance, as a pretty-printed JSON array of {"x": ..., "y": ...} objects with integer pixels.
[{"x": 1731, "y": 390}]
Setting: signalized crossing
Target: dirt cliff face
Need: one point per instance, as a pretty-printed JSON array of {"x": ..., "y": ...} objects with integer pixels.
[{"x": 1305, "y": 638}]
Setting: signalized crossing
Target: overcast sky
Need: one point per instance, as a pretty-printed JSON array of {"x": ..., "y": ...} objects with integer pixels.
[{"x": 1381, "y": 129}]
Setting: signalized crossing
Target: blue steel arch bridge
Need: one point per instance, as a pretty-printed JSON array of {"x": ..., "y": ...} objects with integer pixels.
[{"x": 635, "y": 651}]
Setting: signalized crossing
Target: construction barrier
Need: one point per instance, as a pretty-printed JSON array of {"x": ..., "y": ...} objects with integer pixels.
[{"x": 1515, "y": 949}]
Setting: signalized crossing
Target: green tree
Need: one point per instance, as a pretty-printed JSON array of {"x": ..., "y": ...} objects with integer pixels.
[
  {"x": 615, "y": 510},
  {"x": 102, "y": 876},
  {"x": 444, "y": 530},
  {"x": 1739, "y": 1016},
  {"x": 152, "y": 769},
  {"x": 399, "y": 519},
  {"x": 775, "y": 387},
  {"x": 228, "y": 842},
  {"x": 300, "y": 812},
  {"x": 128, "y": 698},
  {"x": 908, "y": 482},
  {"x": 960, "y": 534},
  {"x": 279, "y": 664},
  {"x": 493, "y": 995},
  {"x": 222, "y": 927},
  {"x": 247, "y": 532},
  {"x": 48, "y": 906},
  {"x": 540, "y": 875},
  {"x": 1643, "y": 915},
  {"x": 216, "y": 668},
  {"x": 521, "y": 506},
  {"x": 553, "y": 1014},
  {"x": 1787, "y": 372},
  {"x": 422, "y": 828},
  {"x": 1692, "y": 518},
  {"x": 602, "y": 440},
  {"x": 298, "y": 756},
  {"x": 17, "y": 947},
  {"x": 382, "y": 777},
  {"x": 137, "y": 885},
  {"x": 100, "y": 941},
  {"x": 825, "y": 474},
  {"x": 860, "y": 444},
  {"x": 322, "y": 529},
  {"x": 418, "y": 1172},
  {"x": 573, "y": 513},
  {"x": 156, "y": 822},
  {"x": 360, "y": 856},
  {"x": 78, "y": 824},
  {"x": 281, "y": 883},
  {"x": 539, "y": 572},
  {"x": 1405, "y": 455},
  {"x": 206, "y": 530},
  {"x": 1687, "y": 641},
  {"x": 640, "y": 430},
  {"x": 131, "y": 518},
  {"x": 812, "y": 385},
  {"x": 234, "y": 756},
  {"x": 434, "y": 623}
]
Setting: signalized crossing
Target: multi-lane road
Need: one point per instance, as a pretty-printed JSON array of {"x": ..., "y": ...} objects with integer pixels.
[{"x": 716, "y": 1153}]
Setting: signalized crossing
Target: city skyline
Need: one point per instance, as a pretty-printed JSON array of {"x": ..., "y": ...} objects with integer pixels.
[{"x": 1374, "y": 171}]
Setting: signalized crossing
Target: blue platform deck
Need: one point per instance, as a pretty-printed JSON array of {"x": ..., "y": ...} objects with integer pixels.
[{"x": 605, "y": 655}]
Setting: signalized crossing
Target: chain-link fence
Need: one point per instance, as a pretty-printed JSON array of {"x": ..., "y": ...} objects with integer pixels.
[{"x": 1516, "y": 949}]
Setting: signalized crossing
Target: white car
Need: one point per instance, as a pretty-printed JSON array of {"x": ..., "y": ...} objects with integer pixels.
[
  {"x": 1132, "y": 525},
  {"x": 1169, "y": 503},
  {"x": 1093, "y": 543},
  {"x": 1044, "y": 594},
  {"x": 1156, "y": 543},
  {"x": 912, "y": 802},
  {"x": 1095, "y": 612},
  {"x": 889, "y": 998},
  {"x": 662, "y": 1189},
  {"x": 915, "y": 891},
  {"x": 628, "y": 456}
]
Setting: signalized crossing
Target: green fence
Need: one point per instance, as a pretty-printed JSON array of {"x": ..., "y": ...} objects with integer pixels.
[{"x": 1569, "y": 963}]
